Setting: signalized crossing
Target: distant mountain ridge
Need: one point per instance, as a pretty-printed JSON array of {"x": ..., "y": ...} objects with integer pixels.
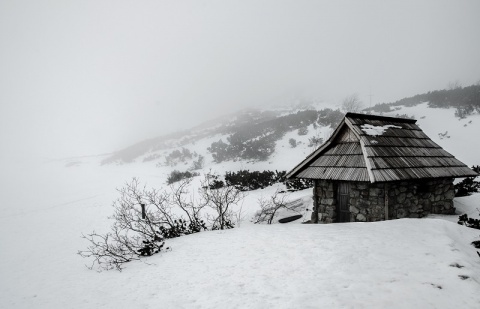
[
  {"x": 245, "y": 126},
  {"x": 252, "y": 134}
]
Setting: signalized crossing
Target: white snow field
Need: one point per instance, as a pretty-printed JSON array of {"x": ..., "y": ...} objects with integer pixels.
[{"x": 407, "y": 263}]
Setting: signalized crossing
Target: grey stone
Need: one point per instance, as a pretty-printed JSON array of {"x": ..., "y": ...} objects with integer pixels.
[
  {"x": 401, "y": 213},
  {"x": 362, "y": 186},
  {"x": 449, "y": 195},
  {"x": 361, "y": 217},
  {"x": 327, "y": 201}
]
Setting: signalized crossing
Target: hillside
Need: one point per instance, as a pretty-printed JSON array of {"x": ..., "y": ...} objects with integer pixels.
[
  {"x": 246, "y": 135},
  {"x": 257, "y": 135},
  {"x": 407, "y": 263}
]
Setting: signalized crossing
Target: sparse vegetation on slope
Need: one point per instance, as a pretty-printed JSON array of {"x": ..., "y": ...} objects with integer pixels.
[
  {"x": 466, "y": 100},
  {"x": 143, "y": 218}
]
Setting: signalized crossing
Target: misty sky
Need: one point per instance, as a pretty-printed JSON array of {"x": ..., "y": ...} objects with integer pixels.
[{"x": 86, "y": 77}]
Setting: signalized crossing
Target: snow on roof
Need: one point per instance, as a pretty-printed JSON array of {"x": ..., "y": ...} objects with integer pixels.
[{"x": 377, "y": 130}]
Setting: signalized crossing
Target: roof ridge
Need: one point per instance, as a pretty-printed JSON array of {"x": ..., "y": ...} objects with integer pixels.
[{"x": 378, "y": 117}]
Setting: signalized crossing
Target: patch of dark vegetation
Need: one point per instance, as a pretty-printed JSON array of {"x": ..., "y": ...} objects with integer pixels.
[
  {"x": 176, "y": 176},
  {"x": 468, "y": 185},
  {"x": 179, "y": 156},
  {"x": 456, "y": 265},
  {"x": 469, "y": 222},
  {"x": 465, "y": 99},
  {"x": 245, "y": 180},
  {"x": 476, "y": 244},
  {"x": 298, "y": 184},
  {"x": 257, "y": 141},
  {"x": 463, "y": 277}
]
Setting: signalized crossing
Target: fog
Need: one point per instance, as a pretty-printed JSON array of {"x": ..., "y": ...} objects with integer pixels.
[{"x": 87, "y": 77}]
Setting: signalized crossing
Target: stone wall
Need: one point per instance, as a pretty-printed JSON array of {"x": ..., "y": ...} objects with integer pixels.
[
  {"x": 418, "y": 199},
  {"x": 367, "y": 201},
  {"x": 324, "y": 201},
  {"x": 414, "y": 199}
]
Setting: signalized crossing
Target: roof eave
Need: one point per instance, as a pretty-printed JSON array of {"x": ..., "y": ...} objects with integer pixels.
[{"x": 297, "y": 169}]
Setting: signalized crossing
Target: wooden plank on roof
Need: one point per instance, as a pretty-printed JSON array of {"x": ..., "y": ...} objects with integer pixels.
[
  {"x": 406, "y": 152},
  {"x": 335, "y": 173},
  {"x": 380, "y": 141},
  {"x": 345, "y": 149},
  {"x": 409, "y": 162},
  {"x": 381, "y": 175},
  {"x": 340, "y": 160}
]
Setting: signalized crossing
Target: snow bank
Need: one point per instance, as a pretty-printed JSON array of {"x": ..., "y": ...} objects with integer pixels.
[{"x": 408, "y": 263}]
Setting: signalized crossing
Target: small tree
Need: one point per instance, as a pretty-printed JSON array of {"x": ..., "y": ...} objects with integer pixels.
[
  {"x": 197, "y": 165},
  {"x": 293, "y": 142},
  {"x": 352, "y": 104},
  {"x": 221, "y": 200},
  {"x": 454, "y": 85},
  {"x": 270, "y": 206}
]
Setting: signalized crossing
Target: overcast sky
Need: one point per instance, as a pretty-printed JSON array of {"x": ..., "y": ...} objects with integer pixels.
[{"x": 85, "y": 77}]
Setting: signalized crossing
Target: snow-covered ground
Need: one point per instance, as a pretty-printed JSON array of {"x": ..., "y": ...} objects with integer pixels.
[{"x": 408, "y": 263}]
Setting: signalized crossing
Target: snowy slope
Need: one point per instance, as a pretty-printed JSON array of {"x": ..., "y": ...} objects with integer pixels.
[
  {"x": 462, "y": 139},
  {"x": 401, "y": 264},
  {"x": 408, "y": 263}
]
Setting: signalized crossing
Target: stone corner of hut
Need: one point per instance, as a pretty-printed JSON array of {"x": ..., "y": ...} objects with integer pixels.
[{"x": 369, "y": 202}]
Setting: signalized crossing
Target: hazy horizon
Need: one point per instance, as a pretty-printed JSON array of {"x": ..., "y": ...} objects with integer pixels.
[{"x": 88, "y": 77}]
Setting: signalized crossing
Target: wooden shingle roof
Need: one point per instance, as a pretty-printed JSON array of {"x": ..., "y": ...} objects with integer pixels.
[{"x": 379, "y": 149}]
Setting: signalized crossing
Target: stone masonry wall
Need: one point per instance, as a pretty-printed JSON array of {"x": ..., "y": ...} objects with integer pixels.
[
  {"x": 367, "y": 201},
  {"x": 413, "y": 199},
  {"x": 325, "y": 202},
  {"x": 418, "y": 199}
]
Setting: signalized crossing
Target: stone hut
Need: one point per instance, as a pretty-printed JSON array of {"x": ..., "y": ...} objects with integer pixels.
[{"x": 379, "y": 168}]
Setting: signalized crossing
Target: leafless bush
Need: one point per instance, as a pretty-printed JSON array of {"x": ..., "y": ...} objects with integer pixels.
[
  {"x": 142, "y": 220},
  {"x": 131, "y": 236},
  {"x": 221, "y": 200},
  {"x": 270, "y": 206},
  {"x": 352, "y": 104}
]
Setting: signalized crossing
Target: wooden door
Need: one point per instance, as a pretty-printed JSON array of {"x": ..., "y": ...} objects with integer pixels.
[{"x": 343, "y": 195}]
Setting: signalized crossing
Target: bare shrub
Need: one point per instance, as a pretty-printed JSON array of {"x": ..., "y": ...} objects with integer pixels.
[
  {"x": 142, "y": 220},
  {"x": 220, "y": 200},
  {"x": 352, "y": 104},
  {"x": 270, "y": 206}
]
